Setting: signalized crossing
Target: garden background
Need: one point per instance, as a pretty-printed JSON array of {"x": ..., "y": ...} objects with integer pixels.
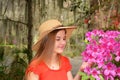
[{"x": 19, "y": 21}]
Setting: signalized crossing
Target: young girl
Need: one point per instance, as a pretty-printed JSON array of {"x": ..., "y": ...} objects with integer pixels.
[{"x": 49, "y": 63}]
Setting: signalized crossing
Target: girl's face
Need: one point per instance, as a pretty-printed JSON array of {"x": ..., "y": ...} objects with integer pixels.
[{"x": 60, "y": 42}]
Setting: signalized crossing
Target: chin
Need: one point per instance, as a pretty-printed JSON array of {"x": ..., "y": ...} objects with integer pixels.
[{"x": 60, "y": 52}]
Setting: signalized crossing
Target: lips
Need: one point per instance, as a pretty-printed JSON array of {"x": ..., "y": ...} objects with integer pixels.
[{"x": 61, "y": 47}]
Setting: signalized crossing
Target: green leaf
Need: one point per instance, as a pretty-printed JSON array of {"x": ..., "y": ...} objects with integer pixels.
[
  {"x": 84, "y": 75},
  {"x": 92, "y": 78},
  {"x": 101, "y": 77},
  {"x": 86, "y": 41}
]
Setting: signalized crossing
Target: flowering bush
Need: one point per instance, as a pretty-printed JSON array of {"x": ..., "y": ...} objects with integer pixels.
[{"x": 103, "y": 51}]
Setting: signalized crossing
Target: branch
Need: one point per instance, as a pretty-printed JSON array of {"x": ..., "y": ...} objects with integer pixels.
[
  {"x": 99, "y": 3},
  {"x": 109, "y": 13},
  {"x": 6, "y": 7},
  {"x": 14, "y": 21}
]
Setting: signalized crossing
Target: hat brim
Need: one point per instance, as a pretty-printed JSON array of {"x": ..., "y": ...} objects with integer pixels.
[{"x": 69, "y": 30}]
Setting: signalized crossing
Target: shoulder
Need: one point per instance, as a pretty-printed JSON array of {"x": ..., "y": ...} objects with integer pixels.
[
  {"x": 66, "y": 63},
  {"x": 65, "y": 59},
  {"x": 34, "y": 67}
]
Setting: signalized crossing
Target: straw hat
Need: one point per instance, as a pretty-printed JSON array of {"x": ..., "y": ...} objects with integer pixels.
[{"x": 47, "y": 27}]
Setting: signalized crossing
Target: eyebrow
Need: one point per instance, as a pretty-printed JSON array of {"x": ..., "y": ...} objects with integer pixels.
[{"x": 59, "y": 36}]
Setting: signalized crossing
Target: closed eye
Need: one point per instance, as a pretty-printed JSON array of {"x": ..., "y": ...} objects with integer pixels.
[{"x": 59, "y": 38}]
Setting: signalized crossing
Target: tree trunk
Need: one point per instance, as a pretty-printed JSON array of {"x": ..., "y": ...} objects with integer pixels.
[{"x": 29, "y": 26}]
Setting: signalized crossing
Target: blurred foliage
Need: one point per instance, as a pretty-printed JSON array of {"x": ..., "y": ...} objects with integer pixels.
[
  {"x": 1, "y": 53},
  {"x": 84, "y": 76},
  {"x": 16, "y": 70}
]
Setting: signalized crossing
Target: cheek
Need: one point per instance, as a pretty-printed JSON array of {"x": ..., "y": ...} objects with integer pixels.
[
  {"x": 65, "y": 43},
  {"x": 56, "y": 44}
]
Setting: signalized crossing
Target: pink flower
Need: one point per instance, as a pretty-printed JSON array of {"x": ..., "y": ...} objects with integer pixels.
[
  {"x": 118, "y": 71},
  {"x": 87, "y": 70},
  {"x": 117, "y": 58},
  {"x": 110, "y": 69},
  {"x": 95, "y": 73},
  {"x": 103, "y": 50}
]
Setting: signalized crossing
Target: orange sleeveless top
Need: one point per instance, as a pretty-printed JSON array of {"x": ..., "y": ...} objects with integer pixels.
[{"x": 45, "y": 73}]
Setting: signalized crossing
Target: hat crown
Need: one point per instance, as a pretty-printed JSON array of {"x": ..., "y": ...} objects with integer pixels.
[{"x": 49, "y": 25}]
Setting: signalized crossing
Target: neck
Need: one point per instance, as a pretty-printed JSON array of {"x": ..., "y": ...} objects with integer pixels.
[
  {"x": 54, "y": 62},
  {"x": 54, "y": 58}
]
